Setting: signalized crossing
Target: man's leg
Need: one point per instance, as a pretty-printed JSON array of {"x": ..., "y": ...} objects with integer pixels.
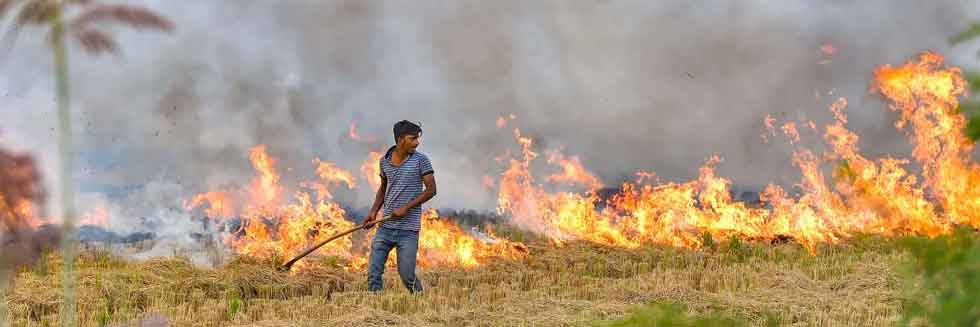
[
  {"x": 380, "y": 247},
  {"x": 408, "y": 249}
]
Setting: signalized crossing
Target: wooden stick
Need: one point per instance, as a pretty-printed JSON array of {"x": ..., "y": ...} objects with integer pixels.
[{"x": 289, "y": 265}]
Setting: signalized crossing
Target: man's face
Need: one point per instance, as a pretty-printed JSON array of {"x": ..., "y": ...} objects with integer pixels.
[{"x": 409, "y": 142}]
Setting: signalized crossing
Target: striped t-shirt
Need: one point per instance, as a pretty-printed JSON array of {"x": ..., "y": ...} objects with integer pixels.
[{"x": 404, "y": 185}]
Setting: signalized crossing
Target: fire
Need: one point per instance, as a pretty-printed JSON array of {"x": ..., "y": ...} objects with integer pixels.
[
  {"x": 218, "y": 204},
  {"x": 865, "y": 196},
  {"x": 265, "y": 186},
  {"x": 288, "y": 230},
  {"x": 352, "y": 132},
  {"x": 861, "y": 195},
  {"x": 770, "y": 124},
  {"x": 98, "y": 216},
  {"x": 277, "y": 230},
  {"x": 272, "y": 229},
  {"x": 644, "y": 176},
  {"x": 443, "y": 243},
  {"x": 561, "y": 216},
  {"x": 828, "y": 49},
  {"x": 488, "y": 182},
  {"x": 926, "y": 96},
  {"x": 355, "y": 135},
  {"x": 572, "y": 172},
  {"x": 19, "y": 215},
  {"x": 24, "y": 209},
  {"x": 330, "y": 174},
  {"x": 790, "y": 129},
  {"x": 371, "y": 169},
  {"x": 21, "y": 193},
  {"x": 502, "y": 120}
]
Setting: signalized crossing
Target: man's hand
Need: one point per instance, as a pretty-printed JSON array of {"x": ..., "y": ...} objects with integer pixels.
[
  {"x": 400, "y": 212},
  {"x": 369, "y": 222}
]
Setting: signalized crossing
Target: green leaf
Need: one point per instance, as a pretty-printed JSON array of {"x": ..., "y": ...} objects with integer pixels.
[
  {"x": 973, "y": 128},
  {"x": 844, "y": 173},
  {"x": 708, "y": 241},
  {"x": 969, "y": 34},
  {"x": 234, "y": 305},
  {"x": 973, "y": 78},
  {"x": 673, "y": 314},
  {"x": 943, "y": 279},
  {"x": 970, "y": 108}
]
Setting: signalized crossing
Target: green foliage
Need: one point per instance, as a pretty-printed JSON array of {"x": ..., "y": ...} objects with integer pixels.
[
  {"x": 234, "y": 305},
  {"x": 973, "y": 128},
  {"x": 970, "y": 33},
  {"x": 708, "y": 241},
  {"x": 943, "y": 280},
  {"x": 738, "y": 250},
  {"x": 109, "y": 303},
  {"x": 970, "y": 108},
  {"x": 666, "y": 314},
  {"x": 972, "y": 78},
  {"x": 104, "y": 318}
]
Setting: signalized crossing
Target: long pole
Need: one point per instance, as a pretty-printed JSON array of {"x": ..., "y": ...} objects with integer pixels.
[{"x": 289, "y": 265}]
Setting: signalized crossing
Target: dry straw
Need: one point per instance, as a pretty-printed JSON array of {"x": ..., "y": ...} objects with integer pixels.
[{"x": 577, "y": 284}]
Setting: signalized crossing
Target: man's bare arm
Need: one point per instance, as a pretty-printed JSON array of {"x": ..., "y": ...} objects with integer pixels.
[{"x": 379, "y": 199}]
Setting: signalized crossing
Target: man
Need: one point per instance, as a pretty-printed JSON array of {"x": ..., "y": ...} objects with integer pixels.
[{"x": 403, "y": 173}]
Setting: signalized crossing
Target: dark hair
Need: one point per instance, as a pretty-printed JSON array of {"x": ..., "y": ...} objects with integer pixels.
[{"x": 405, "y": 127}]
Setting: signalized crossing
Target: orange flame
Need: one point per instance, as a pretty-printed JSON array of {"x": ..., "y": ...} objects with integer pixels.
[
  {"x": 21, "y": 215},
  {"x": 265, "y": 186},
  {"x": 642, "y": 176},
  {"x": 790, "y": 129},
  {"x": 560, "y": 216},
  {"x": 352, "y": 132},
  {"x": 828, "y": 49},
  {"x": 371, "y": 169},
  {"x": 281, "y": 230},
  {"x": 572, "y": 172},
  {"x": 879, "y": 197},
  {"x": 443, "y": 243},
  {"x": 98, "y": 216},
  {"x": 219, "y": 204},
  {"x": 926, "y": 95},
  {"x": 861, "y": 196},
  {"x": 770, "y": 124},
  {"x": 330, "y": 174},
  {"x": 489, "y": 182}
]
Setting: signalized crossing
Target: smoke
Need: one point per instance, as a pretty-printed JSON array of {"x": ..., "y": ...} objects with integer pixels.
[{"x": 625, "y": 85}]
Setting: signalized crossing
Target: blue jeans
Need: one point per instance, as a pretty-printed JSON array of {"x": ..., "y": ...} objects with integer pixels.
[{"x": 407, "y": 243}]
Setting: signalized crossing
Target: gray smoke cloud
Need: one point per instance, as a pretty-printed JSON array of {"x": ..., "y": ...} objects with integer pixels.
[{"x": 624, "y": 85}]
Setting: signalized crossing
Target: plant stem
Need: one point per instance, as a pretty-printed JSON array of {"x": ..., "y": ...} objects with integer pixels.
[{"x": 67, "y": 155}]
